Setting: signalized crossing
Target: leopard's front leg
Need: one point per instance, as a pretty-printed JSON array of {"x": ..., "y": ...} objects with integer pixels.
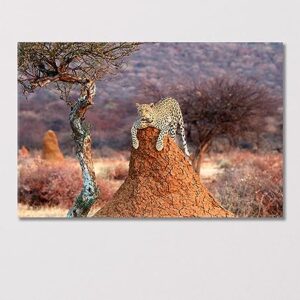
[
  {"x": 160, "y": 140},
  {"x": 136, "y": 125},
  {"x": 135, "y": 141}
]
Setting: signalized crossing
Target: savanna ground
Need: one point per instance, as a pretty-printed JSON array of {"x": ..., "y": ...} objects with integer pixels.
[{"x": 246, "y": 183}]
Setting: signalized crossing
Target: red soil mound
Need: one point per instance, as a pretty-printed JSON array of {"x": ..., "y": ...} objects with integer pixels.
[
  {"x": 161, "y": 184},
  {"x": 51, "y": 150}
]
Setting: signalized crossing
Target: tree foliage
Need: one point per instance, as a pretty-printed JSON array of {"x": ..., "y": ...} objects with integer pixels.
[
  {"x": 68, "y": 64},
  {"x": 224, "y": 107}
]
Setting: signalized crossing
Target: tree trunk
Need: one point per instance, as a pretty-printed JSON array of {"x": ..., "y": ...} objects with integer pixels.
[
  {"x": 83, "y": 143},
  {"x": 197, "y": 161}
]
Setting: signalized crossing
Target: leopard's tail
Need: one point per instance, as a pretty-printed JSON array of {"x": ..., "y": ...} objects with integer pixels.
[{"x": 184, "y": 143}]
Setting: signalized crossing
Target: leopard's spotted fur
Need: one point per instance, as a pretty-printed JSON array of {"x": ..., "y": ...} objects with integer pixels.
[{"x": 164, "y": 115}]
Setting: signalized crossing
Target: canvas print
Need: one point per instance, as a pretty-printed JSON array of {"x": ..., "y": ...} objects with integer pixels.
[{"x": 150, "y": 130}]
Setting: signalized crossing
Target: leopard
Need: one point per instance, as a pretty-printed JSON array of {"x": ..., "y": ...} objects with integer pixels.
[{"x": 164, "y": 115}]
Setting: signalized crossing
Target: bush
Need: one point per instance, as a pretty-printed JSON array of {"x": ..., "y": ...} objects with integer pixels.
[
  {"x": 252, "y": 186},
  {"x": 45, "y": 184}
]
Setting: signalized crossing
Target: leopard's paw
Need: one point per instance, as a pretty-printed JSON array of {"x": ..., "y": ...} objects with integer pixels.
[
  {"x": 159, "y": 146},
  {"x": 135, "y": 144}
]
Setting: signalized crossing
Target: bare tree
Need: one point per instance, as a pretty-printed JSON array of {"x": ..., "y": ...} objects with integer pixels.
[
  {"x": 65, "y": 66},
  {"x": 223, "y": 107}
]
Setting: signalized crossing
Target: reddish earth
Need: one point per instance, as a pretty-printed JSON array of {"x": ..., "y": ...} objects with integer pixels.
[{"x": 161, "y": 184}]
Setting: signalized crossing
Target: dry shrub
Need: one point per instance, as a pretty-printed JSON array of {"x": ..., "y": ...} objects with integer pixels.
[
  {"x": 115, "y": 168},
  {"x": 45, "y": 184},
  {"x": 107, "y": 191},
  {"x": 252, "y": 186},
  {"x": 120, "y": 171}
]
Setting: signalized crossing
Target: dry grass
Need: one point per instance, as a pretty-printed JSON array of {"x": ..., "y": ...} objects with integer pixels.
[
  {"x": 26, "y": 211},
  {"x": 111, "y": 168}
]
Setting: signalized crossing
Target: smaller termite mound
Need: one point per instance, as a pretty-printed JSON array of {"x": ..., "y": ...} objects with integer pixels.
[
  {"x": 161, "y": 184},
  {"x": 51, "y": 151}
]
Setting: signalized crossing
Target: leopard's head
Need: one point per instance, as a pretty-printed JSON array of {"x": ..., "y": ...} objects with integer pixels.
[{"x": 145, "y": 112}]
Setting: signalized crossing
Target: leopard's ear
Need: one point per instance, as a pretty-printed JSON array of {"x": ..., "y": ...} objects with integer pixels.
[
  {"x": 137, "y": 105},
  {"x": 151, "y": 104}
]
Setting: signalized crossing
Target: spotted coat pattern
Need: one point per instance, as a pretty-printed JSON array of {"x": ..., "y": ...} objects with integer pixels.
[{"x": 164, "y": 115}]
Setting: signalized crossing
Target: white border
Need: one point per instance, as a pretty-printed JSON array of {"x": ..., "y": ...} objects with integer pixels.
[{"x": 99, "y": 259}]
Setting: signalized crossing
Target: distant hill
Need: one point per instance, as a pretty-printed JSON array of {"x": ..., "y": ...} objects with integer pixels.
[{"x": 162, "y": 64}]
